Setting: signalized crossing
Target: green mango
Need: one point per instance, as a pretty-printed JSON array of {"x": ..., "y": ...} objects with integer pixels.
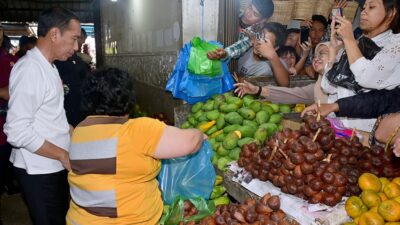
[
  {"x": 255, "y": 106},
  {"x": 275, "y": 118},
  {"x": 262, "y": 117},
  {"x": 212, "y": 140},
  {"x": 231, "y": 128},
  {"x": 261, "y": 135},
  {"x": 220, "y": 123},
  {"x": 214, "y": 159},
  {"x": 222, "y": 162},
  {"x": 212, "y": 130},
  {"x": 215, "y": 96},
  {"x": 203, "y": 118},
  {"x": 226, "y": 108},
  {"x": 227, "y": 94},
  {"x": 247, "y": 131},
  {"x": 275, "y": 107},
  {"x": 197, "y": 114},
  {"x": 233, "y": 118},
  {"x": 246, "y": 140},
  {"x": 235, "y": 153},
  {"x": 230, "y": 141},
  {"x": 268, "y": 109},
  {"x": 246, "y": 113},
  {"x": 218, "y": 101},
  {"x": 283, "y": 108},
  {"x": 209, "y": 105},
  {"x": 235, "y": 100},
  {"x": 196, "y": 107},
  {"x": 212, "y": 115},
  {"x": 186, "y": 125},
  {"x": 271, "y": 128},
  {"x": 247, "y": 100},
  {"x": 216, "y": 145},
  {"x": 280, "y": 127},
  {"x": 220, "y": 137},
  {"x": 223, "y": 200},
  {"x": 192, "y": 120},
  {"x": 217, "y": 191},
  {"x": 222, "y": 151},
  {"x": 251, "y": 123}
]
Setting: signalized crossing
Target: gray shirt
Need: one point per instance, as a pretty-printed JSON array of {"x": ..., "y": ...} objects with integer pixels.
[{"x": 250, "y": 66}]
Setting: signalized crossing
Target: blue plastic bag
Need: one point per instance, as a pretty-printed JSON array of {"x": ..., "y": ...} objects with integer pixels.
[
  {"x": 189, "y": 176},
  {"x": 194, "y": 88}
]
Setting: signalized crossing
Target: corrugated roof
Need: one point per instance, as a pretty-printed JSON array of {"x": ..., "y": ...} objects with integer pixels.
[{"x": 28, "y": 10}]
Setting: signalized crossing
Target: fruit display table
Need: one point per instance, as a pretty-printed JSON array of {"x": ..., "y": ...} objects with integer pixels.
[{"x": 241, "y": 188}]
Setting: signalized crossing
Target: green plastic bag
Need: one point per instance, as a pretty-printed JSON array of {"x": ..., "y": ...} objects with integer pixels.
[
  {"x": 174, "y": 214},
  {"x": 199, "y": 63}
]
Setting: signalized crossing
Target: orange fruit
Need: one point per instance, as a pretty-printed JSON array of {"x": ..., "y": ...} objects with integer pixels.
[
  {"x": 356, "y": 220},
  {"x": 370, "y": 198},
  {"x": 354, "y": 206},
  {"x": 396, "y": 180},
  {"x": 371, "y": 218},
  {"x": 397, "y": 199},
  {"x": 384, "y": 181},
  {"x": 392, "y": 190},
  {"x": 390, "y": 210},
  {"x": 392, "y": 223},
  {"x": 350, "y": 223},
  {"x": 374, "y": 209},
  {"x": 382, "y": 196},
  {"x": 368, "y": 181}
]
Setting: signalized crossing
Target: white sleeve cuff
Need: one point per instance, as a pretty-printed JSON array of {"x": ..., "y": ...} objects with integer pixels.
[
  {"x": 358, "y": 67},
  {"x": 35, "y": 144}
]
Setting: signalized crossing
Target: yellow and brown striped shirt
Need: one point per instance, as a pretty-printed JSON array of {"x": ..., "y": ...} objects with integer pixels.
[{"x": 113, "y": 177}]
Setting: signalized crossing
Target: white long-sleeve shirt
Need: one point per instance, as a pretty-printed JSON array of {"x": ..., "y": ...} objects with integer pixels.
[
  {"x": 35, "y": 113},
  {"x": 382, "y": 72}
]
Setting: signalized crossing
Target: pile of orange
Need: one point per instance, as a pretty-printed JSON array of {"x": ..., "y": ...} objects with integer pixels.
[{"x": 378, "y": 204}]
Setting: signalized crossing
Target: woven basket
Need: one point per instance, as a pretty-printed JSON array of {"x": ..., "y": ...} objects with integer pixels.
[
  {"x": 282, "y": 11},
  {"x": 303, "y": 9},
  {"x": 324, "y": 8},
  {"x": 350, "y": 10}
]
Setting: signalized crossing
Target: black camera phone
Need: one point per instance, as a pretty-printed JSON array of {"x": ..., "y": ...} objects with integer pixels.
[{"x": 304, "y": 32}]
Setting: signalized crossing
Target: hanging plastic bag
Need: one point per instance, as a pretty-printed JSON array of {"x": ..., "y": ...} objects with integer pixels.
[
  {"x": 189, "y": 176},
  {"x": 341, "y": 75},
  {"x": 194, "y": 88},
  {"x": 175, "y": 214},
  {"x": 199, "y": 63}
]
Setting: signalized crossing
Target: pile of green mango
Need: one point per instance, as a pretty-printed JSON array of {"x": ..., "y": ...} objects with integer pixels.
[{"x": 230, "y": 122}]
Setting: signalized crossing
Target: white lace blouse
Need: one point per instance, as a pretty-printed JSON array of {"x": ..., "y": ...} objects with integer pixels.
[{"x": 382, "y": 72}]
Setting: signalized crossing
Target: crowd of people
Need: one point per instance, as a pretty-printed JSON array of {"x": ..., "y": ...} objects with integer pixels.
[{"x": 72, "y": 144}]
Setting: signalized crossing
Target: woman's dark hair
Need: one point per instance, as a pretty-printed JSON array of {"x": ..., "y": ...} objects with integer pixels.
[
  {"x": 278, "y": 30},
  {"x": 107, "y": 92},
  {"x": 54, "y": 17},
  {"x": 284, "y": 50},
  {"x": 393, "y": 6}
]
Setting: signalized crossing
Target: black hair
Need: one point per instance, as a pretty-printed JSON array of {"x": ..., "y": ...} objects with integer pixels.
[
  {"x": 393, "y": 5},
  {"x": 107, "y": 92},
  {"x": 284, "y": 50},
  {"x": 32, "y": 40},
  {"x": 292, "y": 30},
  {"x": 54, "y": 17},
  {"x": 279, "y": 31},
  {"x": 6, "y": 44},
  {"x": 83, "y": 33},
  {"x": 321, "y": 19}
]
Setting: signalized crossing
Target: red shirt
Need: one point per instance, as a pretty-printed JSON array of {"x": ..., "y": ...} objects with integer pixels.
[{"x": 7, "y": 62}]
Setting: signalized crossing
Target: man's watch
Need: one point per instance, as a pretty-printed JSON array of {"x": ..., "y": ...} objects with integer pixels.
[{"x": 259, "y": 91}]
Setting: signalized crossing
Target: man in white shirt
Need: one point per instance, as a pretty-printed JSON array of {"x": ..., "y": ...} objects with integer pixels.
[{"x": 36, "y": 124}]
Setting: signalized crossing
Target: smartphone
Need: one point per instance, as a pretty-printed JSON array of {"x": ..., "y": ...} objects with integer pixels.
[
  {"x": 304, "y": 32},
  {"x": 336, "y": 12}
]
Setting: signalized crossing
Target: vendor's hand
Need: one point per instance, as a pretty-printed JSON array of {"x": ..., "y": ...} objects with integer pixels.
[
  {"x": 396, "y": 147},
  {"x": 310, "y": 71},
  {"x": 219, "y": 53},
  {"x": 324, "y": 109},
  {"x": 245, "y": 88},
  {"x": 265, "y": 49},
  {"x": 344, "y": 28}
]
